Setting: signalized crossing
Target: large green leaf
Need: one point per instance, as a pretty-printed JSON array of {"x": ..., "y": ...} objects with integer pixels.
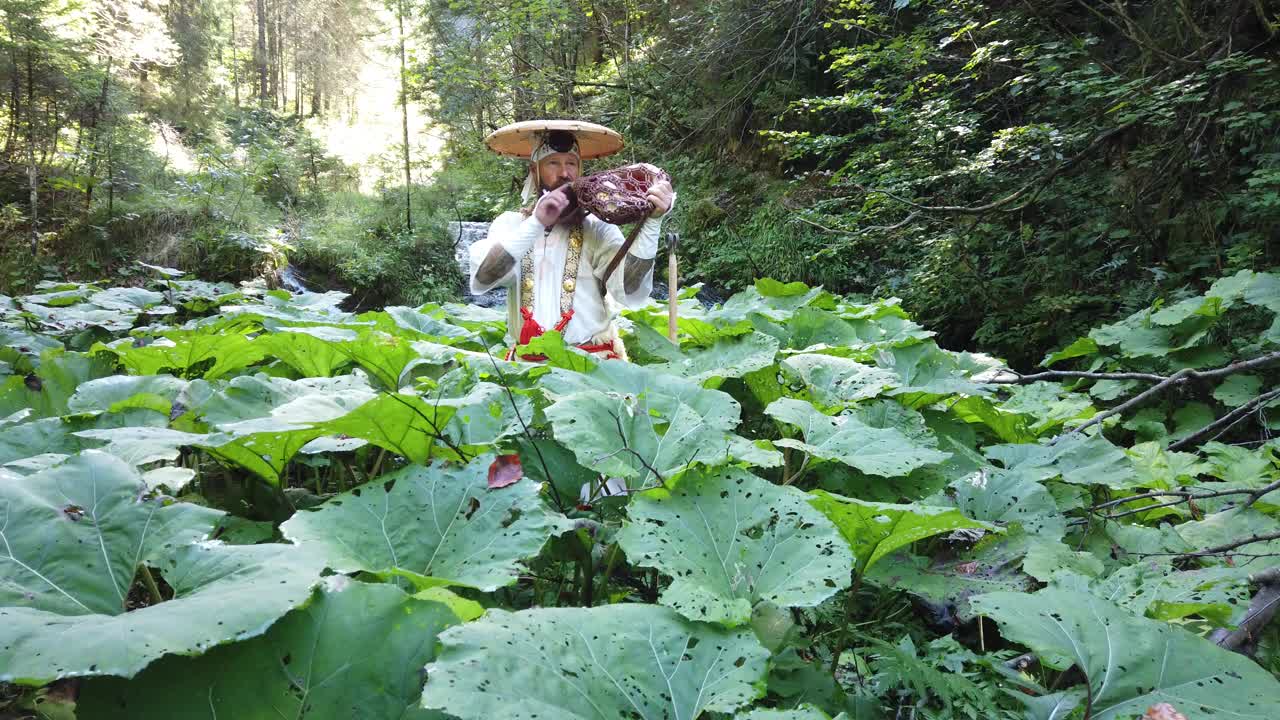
[
  {"x": 265, "y": 421},
  {"x": 874, "y": 530},
  {"x": 729, "y": 357},
  {"x": 1010, "y": 496},
  {"x": 1159, "y": 590},
  {"x": 1077, "y": 458},
  {"x": 626, "y": 420},
  {"x": 926, "y": 372},
  {"x": 436, "y": 524},
  {"x": 836, "y": 380},
  {"x": 635, "y": 661},
  {"x": 990, "y": 566},
  {"x": 210, "y": 583},
  {"x": 315, "y": 351},
  {"x": 730, "y": 540},
  {"x": 420, "y": 427},
  {"x": 72, "y": 537},
  {"x": 887, "y": 452},
  {"x": 119, "y": 392},
  {"x": 182, "y": 351},
  {"x": 302, "y": 667},
  {"x": 804, "y": 712},
  {"x": 1131, "y": 663}
]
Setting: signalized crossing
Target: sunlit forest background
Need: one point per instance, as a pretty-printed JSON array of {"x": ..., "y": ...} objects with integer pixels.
[{"x": 1015, "y": 172}]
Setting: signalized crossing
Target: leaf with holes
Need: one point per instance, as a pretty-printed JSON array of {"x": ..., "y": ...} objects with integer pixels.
[
  {"x": 874, "y": 530},
  {"x": 836, "y": 380},
  {"x": 886, "y": 452},
  {"x": 305, "y": 666},
  {"x": 731, "y": 540},
  {"x": 72, "y": 536},
  {"x": 210, "y": 582},
  {"x": 629, "y": 421},
  {"x": 434, "y": 525},
  {"x": 636, "y": 661},
  {"x": 1131, "y": 663}
]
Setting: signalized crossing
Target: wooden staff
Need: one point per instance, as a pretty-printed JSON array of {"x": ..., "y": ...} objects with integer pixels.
[{"x": 673, "y": 242}]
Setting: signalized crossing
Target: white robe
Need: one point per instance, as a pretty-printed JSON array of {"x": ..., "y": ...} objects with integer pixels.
[{"x": 592, "y": 314}]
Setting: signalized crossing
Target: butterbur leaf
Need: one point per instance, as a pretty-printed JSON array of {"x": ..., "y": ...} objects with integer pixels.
[
  {"x": 638, "y": 661},
  {"x": 1079, "y": 459},
  {"x": 836, "y": 380},
  {"x": 804, "y": 712},
  {"x": 433, "y": 524},
  {"x": 731, "y": 540},
  {"x": 72, "y": 536},
  {"x": 874, "y": 530},
  {"x": 302, "y": 667},
  {"x": 210, "y": 583},
  {"x": 1010, "y": 496},
  {"x": 887, "y": 452},
  {"x": 628, "y": 421},
  {"x": 728, "y": 357},
  {"x": 1130, "y": 662}
]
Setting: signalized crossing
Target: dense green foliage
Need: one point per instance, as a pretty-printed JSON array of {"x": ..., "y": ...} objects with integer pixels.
[
  {"x": 222, "y": 499},
  {"x": 1013, "y": 171},
  {"x": 226, "y": 493}
]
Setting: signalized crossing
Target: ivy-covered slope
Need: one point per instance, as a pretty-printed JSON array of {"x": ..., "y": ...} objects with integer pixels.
[{"x": 217, "y": 501}]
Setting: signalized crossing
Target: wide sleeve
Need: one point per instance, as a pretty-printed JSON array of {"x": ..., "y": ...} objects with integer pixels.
[
  {"x": 645, "y": 248},
  {"x": 515, "y": 234}
]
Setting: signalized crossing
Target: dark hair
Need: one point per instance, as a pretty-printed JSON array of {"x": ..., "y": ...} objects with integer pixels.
[{"x": 560, "y": 140}]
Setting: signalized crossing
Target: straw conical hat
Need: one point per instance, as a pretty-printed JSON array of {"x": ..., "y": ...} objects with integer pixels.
[{"x": 519, "y": 139}]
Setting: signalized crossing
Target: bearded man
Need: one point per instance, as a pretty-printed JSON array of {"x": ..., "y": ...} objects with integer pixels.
[{"x": 550, "y": 255}]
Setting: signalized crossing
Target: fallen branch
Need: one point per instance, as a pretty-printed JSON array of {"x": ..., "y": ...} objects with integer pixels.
[
  {"x": 1180, "y": 376},
  {"x": 1262, "y": 608},
  {"x": 1226, "y": 547},
  {"x": 1184, "y": 495},
  {"x": 1226, "y": 422},
  {"x": 1162, "y": 382}
]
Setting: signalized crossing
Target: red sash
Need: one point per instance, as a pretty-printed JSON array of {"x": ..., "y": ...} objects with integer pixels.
[{"x": 530, "y": 329}]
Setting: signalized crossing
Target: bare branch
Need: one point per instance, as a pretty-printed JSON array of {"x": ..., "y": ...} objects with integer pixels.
[
  {"x": 1225, "y": 547},
  {"x": 1137, "y": 400},
  {"x": 1224, "y": 423}
]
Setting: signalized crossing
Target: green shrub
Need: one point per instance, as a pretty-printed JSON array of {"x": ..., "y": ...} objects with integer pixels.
[{"x": 359, "y": 244}]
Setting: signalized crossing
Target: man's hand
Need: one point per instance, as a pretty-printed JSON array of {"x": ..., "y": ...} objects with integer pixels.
[
  {"x": 552, "y": 205},
  {"x": 660, "y": 195}
]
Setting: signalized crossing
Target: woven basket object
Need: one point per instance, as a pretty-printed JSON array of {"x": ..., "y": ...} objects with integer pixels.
[{"x": 618, "y": 196}]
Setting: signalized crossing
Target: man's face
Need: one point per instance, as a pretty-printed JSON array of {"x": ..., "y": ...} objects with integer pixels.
[{"x": 558, "y": 169}]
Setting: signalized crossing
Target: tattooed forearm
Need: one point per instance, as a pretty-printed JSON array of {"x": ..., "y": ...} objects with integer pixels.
[
  {"x": 495, "y": 266},
  {"x": 635, "y": 272}
]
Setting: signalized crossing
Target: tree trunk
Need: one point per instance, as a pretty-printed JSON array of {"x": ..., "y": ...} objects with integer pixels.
[
  {"x": 315, "y": 91},
  {"x": 15, "y": 96},
  {"x": 404, "y": 124},
  {"x": 235, "y": 70},
  {"x": 98, "y": 111},
  {"x": 273, "y": 57},
  {"x": 33, "y": 173},
  {"x": 297, "y": 83},
  {"x": 260, "y": 55}
]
